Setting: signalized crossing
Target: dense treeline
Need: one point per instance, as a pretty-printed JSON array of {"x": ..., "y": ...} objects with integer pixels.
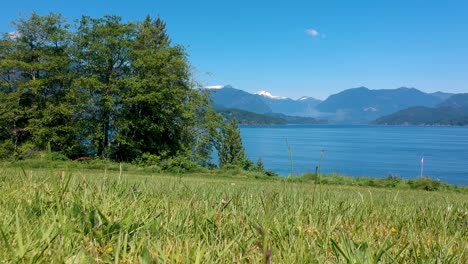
[
  {"x": 426, "y": 116},
  {"x": 250, "y": 118},
  {"x": 105, "y": 88}
]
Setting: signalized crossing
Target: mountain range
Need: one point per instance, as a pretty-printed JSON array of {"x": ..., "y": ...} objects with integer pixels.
[
  {"x": 451, "y": 112},
  {"x": 263, "y": 102},
  {"x": 352, "y": 106},
  {"x": 362, "y": 105}
]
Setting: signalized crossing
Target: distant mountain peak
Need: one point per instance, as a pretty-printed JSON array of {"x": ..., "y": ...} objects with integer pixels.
[
  {"x": 359, "y": 88},
  {"x": 304, "y": 98},
  {"x": 269, "y": 95},
  {"x": 371, "y": 109},
  {"x": 442, "y": 95},
  {"x": 408, "y": 88},
  {"x": 214, "y": 87}
]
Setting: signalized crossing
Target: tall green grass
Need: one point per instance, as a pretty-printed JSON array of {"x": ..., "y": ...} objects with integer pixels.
[{"x": 134, "y": 216}]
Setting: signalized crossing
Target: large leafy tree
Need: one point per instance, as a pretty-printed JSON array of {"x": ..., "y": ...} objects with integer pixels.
[
  {"x": 36, "y": 76},
  {"x": 107, "y": 88},
  {"x": 101, "y": 59},
  {"x": 158, "y": 103},
  {"x": 208, "y": 134}
]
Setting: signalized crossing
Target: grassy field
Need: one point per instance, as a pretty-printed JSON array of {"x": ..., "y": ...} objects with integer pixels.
[{"x": 83, "y": 216}]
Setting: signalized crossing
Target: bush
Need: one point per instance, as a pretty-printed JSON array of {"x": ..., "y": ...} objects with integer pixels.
[
  {"x": 309, "y": 176},
  {"x": 6, "y": 149},
  {"x": 180, "y": 164},
  {"x": 176, "y": 164},
  {"x": 26, "y": 150},
  {"x": 271, "y": 173},
  {"x": 425, "y": 183},
  {"x": 231, "y": 169},
  {"x": 148, "y": 159},
  {"x": 57, "y": 156},
  {"x": 248, "y": 165},
  {"x": 260, "y": 166},
  {"x": 375, "y": 183},
  {"x": 392, "y": 181}
]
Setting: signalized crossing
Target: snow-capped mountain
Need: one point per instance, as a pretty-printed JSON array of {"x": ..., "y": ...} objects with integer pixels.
[
  {"x": 352, "y": 106},
  {"x": 229, "y": 97},
  {"x": 211, "y": 87},
  {"x": 261, "y": 102},
  {"x": 269, "y": 95}
]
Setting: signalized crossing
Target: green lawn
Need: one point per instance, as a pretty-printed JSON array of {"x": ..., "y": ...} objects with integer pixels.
[{"x": 102, "y": 216}]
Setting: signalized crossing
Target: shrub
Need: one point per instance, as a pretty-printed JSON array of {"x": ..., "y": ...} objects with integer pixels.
[
  {"x": 260, "y": 166},
  {"x": 271, "y": 173},
  {"x": 310, "y": 176},
  {"x": 180, "y": 164},
  {"x": 374, "y": 183},
  {"x": 6, "y": 149},
  {"x": 392, "y": 181},
  {"x": 231, "y": 169},
  {"x": 57, "y": 156},
  {"x": 148, "y": 159},
  {"x": 425, "y": 183},
  {"x": 26, "y": 150}
]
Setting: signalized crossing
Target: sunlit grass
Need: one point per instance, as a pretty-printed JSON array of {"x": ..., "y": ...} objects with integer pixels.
[{"x": 204, "y": 218}]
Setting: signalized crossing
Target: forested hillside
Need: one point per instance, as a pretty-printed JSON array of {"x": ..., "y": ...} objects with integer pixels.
[
  {"x": 250, "y": 118},
  {"x": 451, "y": 112}
]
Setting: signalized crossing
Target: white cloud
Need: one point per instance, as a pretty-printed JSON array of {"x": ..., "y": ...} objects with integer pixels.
[{"x": 312, "y": 32}]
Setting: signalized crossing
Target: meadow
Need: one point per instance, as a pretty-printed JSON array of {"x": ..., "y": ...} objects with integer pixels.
[{"x": 86, "y": 214}]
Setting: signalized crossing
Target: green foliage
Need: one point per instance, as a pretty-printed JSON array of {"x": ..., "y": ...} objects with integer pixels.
[
  {"x": 148, "y": 159},
  {"x": 207, "y": 135},
  {"x": 393, "y": 182},
  {"x": 426, "y": 183},
  {"x": 7, "y": 149},
  {"x": 259, "y": 166},
  {"x": 36, "y": 73},
  {"x": 176, "y": 164},
  {"x": 230, "y": 150},
  {"x": 101, "y": 50},
  {"x": 57, "y": 156},
  {"x": 158, "y": 103},
  {"x": 26, "y": 150},
  {"x": 104, "y": 88},
  {"x": 271, "y": 173},
  {"x": 180, "y": 164}
]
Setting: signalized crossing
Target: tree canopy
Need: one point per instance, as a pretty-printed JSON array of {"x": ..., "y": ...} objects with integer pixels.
[{"x": 106, "y": 88}]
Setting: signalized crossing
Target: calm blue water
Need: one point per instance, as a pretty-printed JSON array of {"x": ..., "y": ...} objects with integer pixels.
[{"x": 363, "y": 150}]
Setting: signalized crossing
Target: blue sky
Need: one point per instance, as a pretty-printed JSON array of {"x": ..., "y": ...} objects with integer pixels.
[{"x": 295, "y": 48}]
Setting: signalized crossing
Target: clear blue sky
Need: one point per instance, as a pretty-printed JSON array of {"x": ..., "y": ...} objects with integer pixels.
[{"x": 295, "y": 48}]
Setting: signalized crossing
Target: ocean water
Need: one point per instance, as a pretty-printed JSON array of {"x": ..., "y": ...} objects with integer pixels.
[{"x": 376, "y": 151}]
